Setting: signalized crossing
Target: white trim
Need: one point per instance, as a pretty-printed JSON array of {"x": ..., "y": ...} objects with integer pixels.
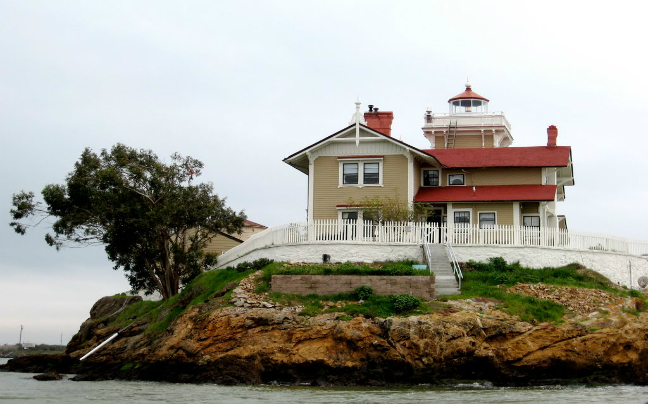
[
  {"x": 311, "y": 187},
  {"x": 361, "y": 162},
  {"x": 430, "y": 169},
  {"x": 479, "y": 212},
  {"x": 456, "y": 185},
  {"x": 410, "y": 180},
  {"x": 470, "y": 215}
]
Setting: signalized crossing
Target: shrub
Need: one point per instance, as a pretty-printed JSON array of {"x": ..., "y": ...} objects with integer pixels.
[
  {"x": 405, "y": 302},
  {"x": 254, "y": 265},
  {"x": 362, "y": 292}
]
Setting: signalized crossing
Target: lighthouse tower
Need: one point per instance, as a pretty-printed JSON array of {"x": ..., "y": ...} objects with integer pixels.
[{"x": 468, "y": 124}]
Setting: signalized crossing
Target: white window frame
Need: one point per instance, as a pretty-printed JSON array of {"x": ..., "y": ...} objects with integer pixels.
[
  {"x": 361, "y": 162},
  {"x": 479, "y": 218},
  {"x": 457, "y": 185},
  {"x": 532, "y": 227},
  {"x": 341, "y": 210},
  {"x": 470, "y": 216},
  {"x": 423, "y": 170}
]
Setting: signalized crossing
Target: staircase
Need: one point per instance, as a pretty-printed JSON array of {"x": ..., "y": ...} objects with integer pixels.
[{"x": 446, "y": 283}]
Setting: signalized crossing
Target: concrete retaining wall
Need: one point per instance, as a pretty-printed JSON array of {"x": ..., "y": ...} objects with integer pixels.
[
  {"x": 419, "y": 286},
  {"x": 619, "y": 268},
  {"x": 339, "y": 252}
]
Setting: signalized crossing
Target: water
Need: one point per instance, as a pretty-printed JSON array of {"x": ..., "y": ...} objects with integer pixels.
[{"x": 21, "y": 388}]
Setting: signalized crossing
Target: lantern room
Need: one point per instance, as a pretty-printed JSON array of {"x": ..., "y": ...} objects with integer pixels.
[{"x": 468, "y": 102}]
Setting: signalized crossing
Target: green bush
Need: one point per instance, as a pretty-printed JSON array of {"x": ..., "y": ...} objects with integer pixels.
[
  {"x": 254, "y": 265},
  {"x": 405, "y": 302},
  {"x": 363, "y": 292}
]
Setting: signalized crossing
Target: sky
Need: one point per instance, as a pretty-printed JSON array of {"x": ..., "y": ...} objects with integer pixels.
[{"x": 240, "y": 85}]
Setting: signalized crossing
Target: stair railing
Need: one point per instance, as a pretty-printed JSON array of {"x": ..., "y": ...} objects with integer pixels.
[
  {"x": 428, "y": 255},
  {"x": 455, "y": 264}
]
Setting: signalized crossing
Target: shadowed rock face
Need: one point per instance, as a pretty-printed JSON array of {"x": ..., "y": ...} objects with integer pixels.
[{"x": 235, "y": 345}]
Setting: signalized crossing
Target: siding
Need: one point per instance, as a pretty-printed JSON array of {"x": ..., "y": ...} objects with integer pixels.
[
  {"x": 497, "y": 176},
  {"x": 439, "y": 142},
  {"x": 468, "y": 142},
  {"x": 504, "y": 211},
  {"x": 221, "y": 244},
  {"x": 527, "y": 208},
  {"x": 417, "y": 176},
  {"x": 328, "y": 194}
]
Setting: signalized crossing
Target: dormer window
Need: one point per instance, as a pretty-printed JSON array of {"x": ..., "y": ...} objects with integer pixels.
[
  {"x": 457, "y": 179},
  {"x": 430, "y": 178},
  {"x": 360, "y": 172}
]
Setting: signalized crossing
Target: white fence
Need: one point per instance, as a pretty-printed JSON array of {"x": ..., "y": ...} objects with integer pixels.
[{"x": 349, "y": 231}]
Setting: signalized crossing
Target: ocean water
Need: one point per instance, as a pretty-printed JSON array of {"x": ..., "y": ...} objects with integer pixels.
[{"x": 22, "y": 388}]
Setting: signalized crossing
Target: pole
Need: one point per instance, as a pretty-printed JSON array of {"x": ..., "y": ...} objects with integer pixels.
[
  {"x": 99, "y": 346},
  {"x": 20, "y": 339}
]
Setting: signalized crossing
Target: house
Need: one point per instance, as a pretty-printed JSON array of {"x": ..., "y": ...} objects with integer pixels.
[
  {"x": 468, "y": 175},
  {"x": 224, "y": 241}
]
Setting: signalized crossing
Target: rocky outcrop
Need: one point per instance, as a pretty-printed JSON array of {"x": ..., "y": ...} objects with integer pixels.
[{"x": 467, "y": 340}]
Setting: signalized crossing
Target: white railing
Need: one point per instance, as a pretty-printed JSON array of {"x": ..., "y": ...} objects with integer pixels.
[
  {"x": 456, "y": 268},
  {"x": 350, "y": 231},
  {"x": 476, "y": 119}
]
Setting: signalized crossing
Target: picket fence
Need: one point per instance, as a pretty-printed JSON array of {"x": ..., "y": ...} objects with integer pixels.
[{"x": 350, "y": 231}]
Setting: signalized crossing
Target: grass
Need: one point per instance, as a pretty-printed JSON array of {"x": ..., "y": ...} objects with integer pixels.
[
  {"x": 491, "y": 279},
  {"x": 161, "y": 314},
  {"x": 391, "y": 268}
]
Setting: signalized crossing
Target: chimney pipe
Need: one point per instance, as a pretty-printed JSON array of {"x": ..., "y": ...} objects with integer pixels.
[
  {"x": 379, "y": 121},
  {"x": 552, "y": 135}
]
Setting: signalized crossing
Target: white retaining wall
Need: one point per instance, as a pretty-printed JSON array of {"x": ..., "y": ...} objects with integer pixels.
[
  {"x": 339, "y": 252},
  {"x": 619, "y": 268}
]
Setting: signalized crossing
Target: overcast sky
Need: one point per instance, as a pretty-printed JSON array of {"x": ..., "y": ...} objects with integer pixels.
[{"x": 242, "y": 84}]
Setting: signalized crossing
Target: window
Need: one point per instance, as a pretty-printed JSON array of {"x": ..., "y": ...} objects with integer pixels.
[
  {"x": 350, "y": 173},
  {"x": 350, "y": 215},
  {"x": 430, "y": 178},
  {"x": 486, "y": 220},
  {"x": 456, "y": 179},
  {"x": 371, "y": 173},
  {"x": 360, "y": 172},
  {"x": 531, "y": 221},
  {"x": 462, "y": 217}
]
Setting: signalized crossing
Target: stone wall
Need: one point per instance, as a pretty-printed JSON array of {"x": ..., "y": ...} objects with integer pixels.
[{"x": 419, "y": 286}]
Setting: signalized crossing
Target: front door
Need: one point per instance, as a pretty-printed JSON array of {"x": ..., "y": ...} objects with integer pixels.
[{"x": 435, "y": 218}]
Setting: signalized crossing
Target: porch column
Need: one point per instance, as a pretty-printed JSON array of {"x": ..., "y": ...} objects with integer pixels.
[
  {"x": 516, "y": 223},
  {"x": 311, "y": 188},
  {"x": 543, "y": 223},
  {"x": 450, "y": 223},
  {"x": 410, "y": 180}
]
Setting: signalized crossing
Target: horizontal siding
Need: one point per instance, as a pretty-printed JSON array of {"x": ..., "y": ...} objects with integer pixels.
[
  {"x": 221, "y": 244},
  {"x": 468, "y": 142},
  {"x": 497, "y": 176},
  {"x": 527, "y": 208},
  {"x": 328, "y": 194}
]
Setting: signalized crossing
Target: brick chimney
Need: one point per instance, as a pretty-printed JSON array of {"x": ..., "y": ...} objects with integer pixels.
[
  {"x": 552, "y": 135},
  {"x": 379, "y": 121}
]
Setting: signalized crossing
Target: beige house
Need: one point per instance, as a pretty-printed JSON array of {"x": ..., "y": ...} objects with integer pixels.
[
  {"x": 467, "y": 175},
  {"x": 224, "y": 242}
]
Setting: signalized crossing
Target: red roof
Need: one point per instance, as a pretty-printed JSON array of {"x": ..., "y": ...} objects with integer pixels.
[
  {"x": 468, "y": 94},
  {"x": 486, "y": 193},
  {"x": 538, "y": 156},
  {"x": 249, "y": 223}
]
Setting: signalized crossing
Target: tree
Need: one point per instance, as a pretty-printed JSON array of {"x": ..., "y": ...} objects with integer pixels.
[
  {"x": 151, "y": 218},
  {"x": 381, "y": 209}
]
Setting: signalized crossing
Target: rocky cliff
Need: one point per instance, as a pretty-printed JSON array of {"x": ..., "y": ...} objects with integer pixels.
[{"x": 466, "y": 340}]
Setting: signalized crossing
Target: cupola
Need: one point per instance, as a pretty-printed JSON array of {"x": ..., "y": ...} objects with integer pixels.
[{"x": 468, "y": 102}]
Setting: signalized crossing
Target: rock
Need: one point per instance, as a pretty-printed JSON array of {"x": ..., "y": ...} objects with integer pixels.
[{"x": 48, "y": 376}]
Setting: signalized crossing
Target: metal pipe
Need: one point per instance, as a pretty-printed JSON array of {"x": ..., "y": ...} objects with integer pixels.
[{"x": 99, "y": 346}]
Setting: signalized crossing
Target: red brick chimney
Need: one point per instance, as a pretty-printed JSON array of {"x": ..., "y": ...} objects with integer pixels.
[
  {"x": 552, "y": 135},
  {"x": 379, "y": 121}
]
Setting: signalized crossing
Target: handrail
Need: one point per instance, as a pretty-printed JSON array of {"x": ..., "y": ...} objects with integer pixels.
[
  {"x": 455, "y": 264},
  {"x": 428, "y": 255}
]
